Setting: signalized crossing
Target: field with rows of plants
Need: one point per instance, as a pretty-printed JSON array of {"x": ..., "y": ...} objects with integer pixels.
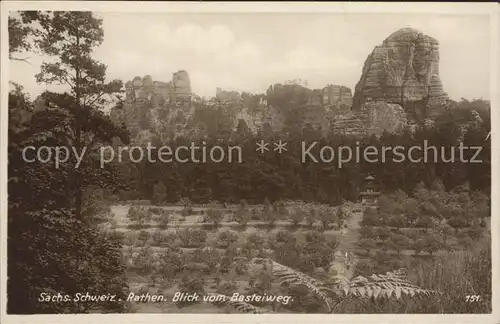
[{"x": 212, "y": 249}]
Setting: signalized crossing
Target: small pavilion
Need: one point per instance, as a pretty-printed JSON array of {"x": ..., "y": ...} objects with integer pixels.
[{"x": 370, "y": 192}]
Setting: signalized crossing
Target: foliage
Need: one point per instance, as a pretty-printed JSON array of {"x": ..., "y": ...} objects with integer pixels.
[
  {"x": 47, "y": 231},
  {"x": 242, "y": 215},
  {"x": 227, "y": 287},
  {"x": 268, "y": 214},
  {"x": 165, "y": 218},
  {"x": 367, "y": 244},
  {"x": 171, "y": 263},
  {"x": 296, "y": 217},
  {"x": 383, "y": 285},
  {"x": 391, "y": 284},
  {"x": 255, "y": 241},
  {"x": 226, "y": 238},
  {"x": 318, "y": 250},
  {"x": 214, "y": 214},
  {"x": 191, "y": 283},
  {"x": 328, "y": 215},
  {"x": 191, "y": 237},
  {"x": 159, "y": 194}
]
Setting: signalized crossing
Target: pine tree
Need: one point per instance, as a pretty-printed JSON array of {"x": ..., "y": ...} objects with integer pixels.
[
  {"x": 70, "y": 37},
  {"x": 51, "y": 248}
]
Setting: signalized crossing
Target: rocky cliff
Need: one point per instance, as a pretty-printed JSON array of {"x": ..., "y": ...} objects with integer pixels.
[
  {"x": 399, "y": 86},
  {"x": 403, "y": 69},
  {"x": 152, "y": 106},
  {"x": 374, "y": 118}
]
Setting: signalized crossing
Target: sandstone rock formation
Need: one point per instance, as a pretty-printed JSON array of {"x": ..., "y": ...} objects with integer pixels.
[
  {"x": 337, "y": 95},
  {"x": 225, "y": 95},
  {"x": 140, "y": 89},
  {"x": 181, "y": 85},
  {"x": 374, "y": 118},
  {"x": 145, "y": 99},
  {"x": 399, "y": 86},
  {"x": 403, "y": 69}
]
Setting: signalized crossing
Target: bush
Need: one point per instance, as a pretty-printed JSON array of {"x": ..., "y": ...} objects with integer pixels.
[
  {"x": 327, "y": 216},
  {"x": 296, "y": 217},
  {"x": 242, "y": 215},
  {"x": 190, "y": 284},
  {"x": 419, "y": 246},
  {"x": 281, "y": 237},
  {"x": 255, "y": 241},
  {"x": 191, "y": 237},
  {"x": 226, "y": 238},
  {"x": 367, "y": 244},
  {"x": 364, "y": 267},
  {"x": 289, "y": 254},
  {"x": 172, "y": 262},
  {"x": 311, "y": 216},
  {"x": 165, "y": 218},
  {"x": 240, "y": 268},
  {"x": 318, "y": 250},
  {"x": 432, "y": 243},
  {"x": 185, "y": 202},
  {"x": 255, "y": 214},
  {"x": 280, "y": 210},
  {"x": 143, "y": 236},
  {"x": 143, "y": 262},
  {"x": 139, "y": 215},
  {"x": 155, "y": 210},
  {"x": 315, "y": 237},
  {"x": 227, "y": 287},
  {"x": 159, "y": 194},
  {"x": 370, "y": 218},
  {"x": 398, "y": 242},
  {"x": 209, "y": 256},
  {"x": 464, "y": 241},
  {"x": 214, "y": 214},
  {"x": 268, "y": 215},
  {"x": 116, "y": 236},
  {"x": 163, "y": 238}
]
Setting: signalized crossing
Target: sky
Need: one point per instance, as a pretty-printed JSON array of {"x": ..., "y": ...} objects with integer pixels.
[{"x": 250, "y": 51}]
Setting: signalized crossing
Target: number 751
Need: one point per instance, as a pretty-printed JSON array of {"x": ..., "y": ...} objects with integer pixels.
[{"x": 472, "y": 298}]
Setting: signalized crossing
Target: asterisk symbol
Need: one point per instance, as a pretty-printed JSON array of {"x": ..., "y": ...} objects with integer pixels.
[
  {"x": 262, "y": 146},
  {"x": 280, "y": 147}
]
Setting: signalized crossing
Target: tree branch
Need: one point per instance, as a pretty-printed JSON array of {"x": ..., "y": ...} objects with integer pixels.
[
  {"x": 90, "y": 104},
  {"x": 21, "y": 59}
]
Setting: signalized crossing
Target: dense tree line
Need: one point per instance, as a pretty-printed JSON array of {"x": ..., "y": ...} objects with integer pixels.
[{"x": 284, "y": 176}]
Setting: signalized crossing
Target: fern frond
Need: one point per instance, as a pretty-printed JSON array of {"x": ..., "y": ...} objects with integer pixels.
[
  {"x": 293, "y": 277},
  {"x": 393, "y": 283},
  {"x": 240, "y": 306}
]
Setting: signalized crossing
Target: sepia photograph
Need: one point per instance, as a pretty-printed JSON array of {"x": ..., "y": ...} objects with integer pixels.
[{"x": 237, "y": 161}]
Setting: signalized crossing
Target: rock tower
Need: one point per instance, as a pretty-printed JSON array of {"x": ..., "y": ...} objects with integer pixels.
[{"x": 403, "y": 69}]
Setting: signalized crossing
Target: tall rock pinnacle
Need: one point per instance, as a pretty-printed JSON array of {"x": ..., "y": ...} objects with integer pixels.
[{"x": 404, "y": 69}]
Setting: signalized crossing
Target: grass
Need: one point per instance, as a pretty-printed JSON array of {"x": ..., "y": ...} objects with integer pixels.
[{"x": 455, "y": 274}]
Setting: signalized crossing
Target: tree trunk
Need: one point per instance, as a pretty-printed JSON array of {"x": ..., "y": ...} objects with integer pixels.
[{"x": 78, "y": 144}]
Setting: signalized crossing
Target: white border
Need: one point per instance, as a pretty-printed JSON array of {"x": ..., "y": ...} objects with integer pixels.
[{"x": 258, "y": 7}]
